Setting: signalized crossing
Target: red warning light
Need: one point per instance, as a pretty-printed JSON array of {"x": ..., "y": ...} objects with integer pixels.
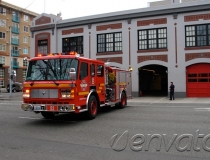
[{"x": 73, "y": 53}]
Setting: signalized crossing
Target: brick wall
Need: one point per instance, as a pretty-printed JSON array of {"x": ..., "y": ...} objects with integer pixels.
[{"x": 6, "y": 77}]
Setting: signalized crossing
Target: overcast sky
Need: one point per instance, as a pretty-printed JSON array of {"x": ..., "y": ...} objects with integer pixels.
[{"x": 79, "y": 8}]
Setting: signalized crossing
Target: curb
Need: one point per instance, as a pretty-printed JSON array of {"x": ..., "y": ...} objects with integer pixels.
[
  {"x": 3, "y": 90},
  {"x": 166, "y": 103}
]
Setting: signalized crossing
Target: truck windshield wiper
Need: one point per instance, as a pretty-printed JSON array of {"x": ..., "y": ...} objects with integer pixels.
[
  {"x": 57, "y": 84},
  {"x": 31, "y": 84}
]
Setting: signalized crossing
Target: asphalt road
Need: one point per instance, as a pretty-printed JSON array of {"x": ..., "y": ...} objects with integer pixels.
[{"x": 25, "y": 135}]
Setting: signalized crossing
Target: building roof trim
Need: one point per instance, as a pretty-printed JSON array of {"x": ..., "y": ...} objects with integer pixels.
[
  {"x": 19, "y": 9},
  {"x": 42, "y": 27},
  {"x": 136, "y": 13}
]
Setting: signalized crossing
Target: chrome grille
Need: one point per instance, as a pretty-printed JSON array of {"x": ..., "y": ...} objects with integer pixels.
[{"x": 44, "y": 93}]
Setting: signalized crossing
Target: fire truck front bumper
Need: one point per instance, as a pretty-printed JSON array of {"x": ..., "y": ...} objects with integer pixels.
[{"x": 49, "y": 107}]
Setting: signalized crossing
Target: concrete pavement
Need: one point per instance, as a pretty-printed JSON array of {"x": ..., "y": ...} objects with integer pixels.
[
  {"x": 165, "y": 100},
  {"x": 74, "y": 137},
  {"x": 17, "y": 96}
]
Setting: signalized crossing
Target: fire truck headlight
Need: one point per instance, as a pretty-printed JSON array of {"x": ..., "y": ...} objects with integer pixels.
[
  {"x": 66, "y": 93},
  {"x": 26, "y": 95},
  {"x": 63, "y": 95}
]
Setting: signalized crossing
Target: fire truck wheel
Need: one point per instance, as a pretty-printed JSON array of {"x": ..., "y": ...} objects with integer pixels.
[
  {"x": 48, "y": 115},
  {"x": 123, "y": 101},
  {"x": 92, "y": 108}
]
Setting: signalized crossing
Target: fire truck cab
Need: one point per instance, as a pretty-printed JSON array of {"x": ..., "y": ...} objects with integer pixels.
[{"x": 60, "y": 83}]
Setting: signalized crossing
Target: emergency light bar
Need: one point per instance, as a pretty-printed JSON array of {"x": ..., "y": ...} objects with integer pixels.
[
  {"x": 73, "y": 53},
  {"x": 53, "y": 54}
]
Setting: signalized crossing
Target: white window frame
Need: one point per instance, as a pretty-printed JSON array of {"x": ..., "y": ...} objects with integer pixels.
[
  {"x": 25, "y": 63},
  {"x": 15, "y": 25},
  {"x": 2, "y": 23},
  {"x": 3, "y": 35},
  {"x": 1, "y": 72},
  {"x": 25, "y": 50},
  {"x": 3, "y": 11},
  {"x": 2, "y": 47},
  {"x": 24, "y": 74},
  {"x": 14, "y": 48},
  {"x": 25, "y": 18},
  {"x": 2, "y": 60},
  {"x": 152, "y": 38},
  {"x": 25, "y": 39},
  {"x": 24, "y": 28},
  {"x": 15, "y": 36},
  {"x": 1, "y": 83},
  {"x": 15, "y": 13}
]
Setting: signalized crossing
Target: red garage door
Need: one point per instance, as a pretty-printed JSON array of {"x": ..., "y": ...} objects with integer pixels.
[{"x": 198, "y": 80}]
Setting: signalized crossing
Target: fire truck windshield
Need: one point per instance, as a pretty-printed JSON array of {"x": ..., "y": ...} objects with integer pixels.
[{"x": 50, "y": 69}]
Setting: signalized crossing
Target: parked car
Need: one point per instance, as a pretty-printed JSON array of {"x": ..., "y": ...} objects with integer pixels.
[{"x": 16, "y": 87}]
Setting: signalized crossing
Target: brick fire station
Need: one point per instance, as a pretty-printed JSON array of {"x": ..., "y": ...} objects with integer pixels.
[{"x": 168, "y": 41}]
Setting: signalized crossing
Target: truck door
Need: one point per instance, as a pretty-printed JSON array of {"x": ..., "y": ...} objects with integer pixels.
[
  {"x": 83, "y": 83},
  {"x": 100, "y": 81},
  {"x": 92, "y": 77}
]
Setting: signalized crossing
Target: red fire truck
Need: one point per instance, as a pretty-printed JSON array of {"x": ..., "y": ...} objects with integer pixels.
[{"x": 63, "y": 83}]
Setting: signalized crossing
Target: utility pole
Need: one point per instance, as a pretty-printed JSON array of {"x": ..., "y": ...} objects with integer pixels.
[
  {"x": 10, "y": 74},
  {"x": 10, "y": 59}
]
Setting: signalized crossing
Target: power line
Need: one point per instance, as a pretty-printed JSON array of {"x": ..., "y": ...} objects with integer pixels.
[
  {"x": 22, "y": 8},
  {"x": 29, "y": 5}
]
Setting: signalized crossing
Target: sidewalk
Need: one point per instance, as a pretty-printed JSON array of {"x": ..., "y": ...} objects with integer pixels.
[{"x": 165, "y": 100}]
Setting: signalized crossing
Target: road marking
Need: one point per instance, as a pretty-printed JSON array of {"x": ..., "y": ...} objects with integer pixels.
[
  {"x": 29, "y": 118},
  {"x": 158, "y": 100},
  {"x": 11, "y": 102},
  {"x": 45, "y": 119},
  {"x": 202, "y": 109}
]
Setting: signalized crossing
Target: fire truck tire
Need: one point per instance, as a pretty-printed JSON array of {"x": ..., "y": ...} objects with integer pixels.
[
  {"x": 123, "y": 101},
  {"x": 48, "y": 115},
  {"x": 92, "y": 108}
]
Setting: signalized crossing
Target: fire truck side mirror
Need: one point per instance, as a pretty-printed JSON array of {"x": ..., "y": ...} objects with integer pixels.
[{"x": 72, "y": 74}]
